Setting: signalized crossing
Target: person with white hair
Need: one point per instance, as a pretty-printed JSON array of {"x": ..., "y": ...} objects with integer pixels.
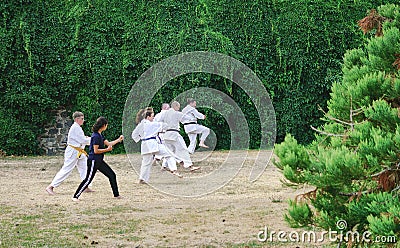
[{"x": 160, "y": 116}]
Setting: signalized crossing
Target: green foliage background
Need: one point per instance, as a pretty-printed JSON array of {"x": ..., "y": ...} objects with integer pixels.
[
  {"x": 86, "y": 55},
  {"x": 352, "y": 167}
]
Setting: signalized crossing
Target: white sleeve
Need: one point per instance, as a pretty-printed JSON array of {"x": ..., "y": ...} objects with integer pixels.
[
  {"x": 164, "y": 126},
  {"x": 159, "y": 126},
  {"x": 197, "y": 114},
  {"x": 180, "y": 116},
  {"x": 159, "y": 117},
  {"x": 184, "y": 119},
  {"x": 87, "y": 141},
  {"x": 136, "y": 133},
  {"x": 78, "y": 136}
]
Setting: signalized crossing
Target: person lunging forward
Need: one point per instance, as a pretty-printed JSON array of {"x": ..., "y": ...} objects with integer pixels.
[{"x": 96, "y": 158}]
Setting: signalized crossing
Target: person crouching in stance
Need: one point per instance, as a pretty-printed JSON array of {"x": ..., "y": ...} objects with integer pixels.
[{"x": 96, "y": 158}]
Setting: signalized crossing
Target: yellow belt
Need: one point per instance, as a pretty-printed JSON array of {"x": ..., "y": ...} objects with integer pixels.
[{"x": 80, "y": 151}]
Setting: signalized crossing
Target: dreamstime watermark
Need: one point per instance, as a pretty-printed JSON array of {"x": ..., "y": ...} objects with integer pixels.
[
  {"x": 342, "y": 235},
  {"x": 150, "y": 85}
]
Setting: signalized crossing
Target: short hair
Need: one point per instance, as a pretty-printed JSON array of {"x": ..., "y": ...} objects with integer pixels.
[
  {"x": 190, "y": 100},
  {"x": 165, "y": 106},
  {"x": 77, "y": 114},
  {"x": 175, "y": 104}
]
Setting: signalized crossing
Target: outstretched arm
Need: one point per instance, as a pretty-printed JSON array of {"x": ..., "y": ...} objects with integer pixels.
[
  {"x": 114, "y": 142},
  {"x": 198, "y": 115}
]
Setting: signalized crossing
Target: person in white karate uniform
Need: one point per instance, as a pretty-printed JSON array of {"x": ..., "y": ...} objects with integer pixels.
[
  {"x": 158, "y": 117},
  {"x": 147, "y": 131},
  {"x": 74, "y": 155},
  {"x": 173, "y": 139},
  {"x": 192, "y": 128}
]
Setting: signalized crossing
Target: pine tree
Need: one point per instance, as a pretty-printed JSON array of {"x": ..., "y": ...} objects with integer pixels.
[{"x": 353, "y": 164}]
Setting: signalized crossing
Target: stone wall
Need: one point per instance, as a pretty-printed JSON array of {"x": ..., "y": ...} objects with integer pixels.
[{"x": 54, "y": 140}]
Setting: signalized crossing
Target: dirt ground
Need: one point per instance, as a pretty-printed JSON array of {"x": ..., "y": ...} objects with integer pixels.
[{"x": 231, "y": 216}]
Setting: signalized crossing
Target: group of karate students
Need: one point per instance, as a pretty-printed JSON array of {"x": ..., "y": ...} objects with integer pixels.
[{"x": 161, "y": 138}]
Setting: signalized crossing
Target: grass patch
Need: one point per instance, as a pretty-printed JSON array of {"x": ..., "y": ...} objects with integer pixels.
[
  {"x": 29, "y": 233},
  {"x": 125, "y": 228},
  {"x": 5, "y": 209},
  {"x": 55, "y": 230},
  {"x": 112, "y": 210}
]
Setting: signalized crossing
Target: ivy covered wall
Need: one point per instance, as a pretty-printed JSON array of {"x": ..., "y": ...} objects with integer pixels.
[{"x": 86, "y": 55}]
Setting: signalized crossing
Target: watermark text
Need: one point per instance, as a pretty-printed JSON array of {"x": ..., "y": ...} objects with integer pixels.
[{"x": 267, "y": 235}]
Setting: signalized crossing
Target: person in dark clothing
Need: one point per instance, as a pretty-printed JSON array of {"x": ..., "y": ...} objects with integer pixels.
[{"x": 96, "y": 158}]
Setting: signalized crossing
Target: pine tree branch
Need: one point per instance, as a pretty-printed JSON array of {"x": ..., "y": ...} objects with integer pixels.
[
  {"x": 396, "y": 189},
  {"x": 355, "y": 193},
  {"x": 357, "y": 111},
  {"x": 333, "y": 118},
  {"x": 353, "y": 112},
  {"x": 384, "y": 171},
  {"x": 328, "y": 134},
  {"x": 340, "y": 121},
  {"x": 351, "y": 115},
  {"x": 309, "y": 195}
]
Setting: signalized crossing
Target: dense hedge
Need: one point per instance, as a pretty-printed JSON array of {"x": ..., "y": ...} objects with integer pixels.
[{"x": 86, "y": 55}]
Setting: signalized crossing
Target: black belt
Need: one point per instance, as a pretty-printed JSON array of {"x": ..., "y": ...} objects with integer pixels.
[
  {"x": 149, "y": 138},
  {"x": 189, "y": 123},
  {"x": 176, "y": 130}
]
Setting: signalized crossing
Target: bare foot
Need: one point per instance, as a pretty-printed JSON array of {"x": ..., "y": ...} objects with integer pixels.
[
  {"x": 141, "y": 181},
  {"x": 49, "y": 190},
  {"x": 89, "y": 190},
  {"x": 75, "y": 199},
  {"x": 203, "y": 145},
  {"x": 176, "y": 174},
  {"x": 118, "y": 197},
  {"x": 193, "y": 168}
]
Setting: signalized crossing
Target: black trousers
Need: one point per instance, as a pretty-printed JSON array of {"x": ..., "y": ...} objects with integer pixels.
[{"x": 103, "y": 167}]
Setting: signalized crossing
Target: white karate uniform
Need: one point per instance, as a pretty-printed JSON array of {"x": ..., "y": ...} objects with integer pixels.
[
  {"x": 189, "y": 121},
  {"x": 147, "y": 131},
  {"x": 158, "y": 118},
  {"x": 76, "y": 138},
  {"x": 172, "y": 138}
]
